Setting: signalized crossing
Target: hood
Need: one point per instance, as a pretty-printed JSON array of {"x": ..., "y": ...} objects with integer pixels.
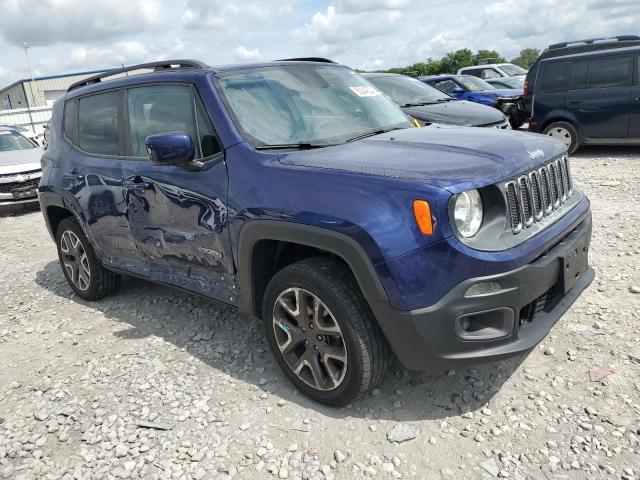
[
  {"x": 456, "y": 112},
  {"x": 15, "y": 161},
  {"x": 504, "y": 92},
  {"x": 456, "y": 159}
]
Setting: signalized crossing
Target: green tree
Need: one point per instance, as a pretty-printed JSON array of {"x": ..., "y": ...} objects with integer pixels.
[
  {"x": 453, "y": 61},
  {"x": 526, "y": 58},
  {"x": 491, "y": 55}
]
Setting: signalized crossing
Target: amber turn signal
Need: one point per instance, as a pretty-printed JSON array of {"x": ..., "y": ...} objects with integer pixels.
[{"x": 422, "y": 212}]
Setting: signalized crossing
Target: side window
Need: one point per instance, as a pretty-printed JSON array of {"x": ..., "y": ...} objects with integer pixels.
[
  {"x": 555, "y": 77},
  {"x": 446, "y": 86},
  {"x": 98, "y": 123},
  {"x": 166, "y": 109},
  {"x": 71, "y": 121},
  {"x": 490, "y": 73},
  {"x": 472, "y": 71},
  {"x": 580, "y": 72},
  {"x": 610, "y": 72}
]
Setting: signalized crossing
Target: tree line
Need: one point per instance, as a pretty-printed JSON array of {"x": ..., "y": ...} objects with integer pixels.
[{"x": 464, "y": 57}]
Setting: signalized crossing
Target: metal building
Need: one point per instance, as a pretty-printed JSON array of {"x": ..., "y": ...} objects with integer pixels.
[{"x": 39, "y": 93}]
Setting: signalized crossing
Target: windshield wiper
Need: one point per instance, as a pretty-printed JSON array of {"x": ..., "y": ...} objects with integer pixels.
[
  {"x": 445, "y": 100},
  {"x": 374, "y": 132},
  {"x": 421, "y": 104},
  {"x": 299, "y": 146}
]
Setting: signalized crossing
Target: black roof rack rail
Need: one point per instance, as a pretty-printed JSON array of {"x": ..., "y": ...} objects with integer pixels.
[
  {"x": 156, "y": 66},
  {"x": 619, "y": 38},
  {"x": 307, "y": 59}
]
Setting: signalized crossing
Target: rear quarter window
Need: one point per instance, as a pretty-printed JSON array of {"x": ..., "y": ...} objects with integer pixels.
[
  {"x": 555, "y": 77},
  {"x": 70, "y": 122}
]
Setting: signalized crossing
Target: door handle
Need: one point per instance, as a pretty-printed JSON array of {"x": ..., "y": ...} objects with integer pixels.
[{"x": 575, "y": 102}]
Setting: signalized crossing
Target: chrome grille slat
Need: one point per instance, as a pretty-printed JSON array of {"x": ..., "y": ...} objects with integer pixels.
[{"x": 536, "y": 194}]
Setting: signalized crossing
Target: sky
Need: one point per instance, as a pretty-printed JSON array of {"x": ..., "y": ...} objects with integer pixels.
[{"x": 78, "y": 35}]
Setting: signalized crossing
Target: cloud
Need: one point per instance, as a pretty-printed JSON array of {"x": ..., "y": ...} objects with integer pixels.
[
  {"x": 243, "y": 54},
  {"x": 46, "y": 22},
  {"x": 358, "y": 6},
  {"x": 326, "y": 29},
  {"x": 225, "y": 15}
]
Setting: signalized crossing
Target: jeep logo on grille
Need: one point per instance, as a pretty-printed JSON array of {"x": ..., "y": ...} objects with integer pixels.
[{"x": 535, "y": 154}]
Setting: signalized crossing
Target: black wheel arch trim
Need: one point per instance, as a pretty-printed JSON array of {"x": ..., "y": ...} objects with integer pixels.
[{"x": 330, "y": 241}]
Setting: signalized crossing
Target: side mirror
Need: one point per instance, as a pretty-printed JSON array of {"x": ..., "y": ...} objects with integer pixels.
[
  {"x": 170, "y": 149},
  {"x": 457, "y": 90}
]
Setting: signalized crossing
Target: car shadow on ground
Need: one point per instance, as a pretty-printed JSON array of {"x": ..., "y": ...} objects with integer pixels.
[{"x": 234, "y": 344}]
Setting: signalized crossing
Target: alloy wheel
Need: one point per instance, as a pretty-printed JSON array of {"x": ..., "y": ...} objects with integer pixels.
[
  {"x": 75, "y": 260},
  {"x": 310, "y": 339}
]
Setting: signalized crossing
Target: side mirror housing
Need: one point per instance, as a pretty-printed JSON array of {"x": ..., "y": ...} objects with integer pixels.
[
  {"x": 457, "y": 91},
  {"x": 170, "y": 149}
]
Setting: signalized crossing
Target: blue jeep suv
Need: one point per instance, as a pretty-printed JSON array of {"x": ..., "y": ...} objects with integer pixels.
[{"x": 297, "y": 192}]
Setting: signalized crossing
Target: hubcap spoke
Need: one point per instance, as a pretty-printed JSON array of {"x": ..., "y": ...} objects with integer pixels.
[
  {"x": 309, "y": 339},
  {"x": 75, "y": 260}
]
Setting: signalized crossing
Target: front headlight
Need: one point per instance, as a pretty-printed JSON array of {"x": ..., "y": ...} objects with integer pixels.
[{"x": 467, "y": 213}]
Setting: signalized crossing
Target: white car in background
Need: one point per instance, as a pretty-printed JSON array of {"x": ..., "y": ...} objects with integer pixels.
[
  {"x": 494, "y": 70},
  {"x": 24, "y": 131},
  {"x": 20, "y": 171}
]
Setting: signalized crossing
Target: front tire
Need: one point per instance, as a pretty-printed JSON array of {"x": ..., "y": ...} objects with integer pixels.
[
  {"x": 321, "y": 332},
  {"x": 80, "y": 265},
  {"x": 566, "y": 133}
]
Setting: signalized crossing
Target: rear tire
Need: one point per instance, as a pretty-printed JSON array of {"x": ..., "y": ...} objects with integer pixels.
[
  {"x": 80, "y": 265},
  {"x": 322, "y": 333},
  {"x": 566, "y": 133}
]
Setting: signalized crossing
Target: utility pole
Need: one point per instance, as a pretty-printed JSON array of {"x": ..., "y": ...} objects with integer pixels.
[{"x": 33, "y": 86}]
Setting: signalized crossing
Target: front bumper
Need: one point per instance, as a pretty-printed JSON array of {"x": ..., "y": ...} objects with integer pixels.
[{"x": 508, "y": 322}]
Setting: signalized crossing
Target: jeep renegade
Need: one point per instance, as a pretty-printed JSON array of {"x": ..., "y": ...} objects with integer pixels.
[{"x": 297, "y": 192}]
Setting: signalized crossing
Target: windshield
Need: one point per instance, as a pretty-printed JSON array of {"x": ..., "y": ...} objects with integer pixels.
[
  {"x": 311, "y": 104},
  {"x": 474, "y": 84},
  {"x": 407, "y": 91},
  {"x": 13, "y": 141},
  {"x": 509, "y": 83},
  {"x": 511, "y": 69}
]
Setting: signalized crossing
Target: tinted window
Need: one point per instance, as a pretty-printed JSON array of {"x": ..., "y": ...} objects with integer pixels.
[
  {"x": 446, "y": 86},
  {"x": 474, "y": 71},
  {"x": 98, "y": 123},
  {"x": 166, "y": 109},
  {"x": 208, "y": 143},
  {"x": 555, "y": 77},
  {"x": 580, "y": 71},
  {"x": 71, "y": 121},
  {"x": 609, "y": 72}
]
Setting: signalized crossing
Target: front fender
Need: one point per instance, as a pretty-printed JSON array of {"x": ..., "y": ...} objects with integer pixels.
[{"x": 331, "y": 241}]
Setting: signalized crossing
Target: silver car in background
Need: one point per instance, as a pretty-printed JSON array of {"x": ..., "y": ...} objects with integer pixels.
[{"x": 20, "y": 171}]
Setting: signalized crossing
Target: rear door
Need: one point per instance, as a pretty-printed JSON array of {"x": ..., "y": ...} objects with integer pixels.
[
  {"x": 634, "y": 119},
  {"x": 600, "y": 95},
  {"x": 180, "y": 218},
  {"x": 92, "y": 175}
]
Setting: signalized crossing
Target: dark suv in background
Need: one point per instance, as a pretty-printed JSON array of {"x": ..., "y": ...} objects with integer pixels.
[{"x": 588, "y": 98}]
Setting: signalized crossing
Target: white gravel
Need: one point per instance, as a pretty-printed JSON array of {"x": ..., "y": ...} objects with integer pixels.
[{"x": 155, "y": 384}]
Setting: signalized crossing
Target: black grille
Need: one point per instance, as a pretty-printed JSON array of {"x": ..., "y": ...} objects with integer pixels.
[
  {"x": 514, "y": 211},
  {"x": 17, "y": 187},
  {"x": 553, "y": 180},
  {"x": 538, "y": 193},
  {"x": 526, "y": 200},
  {"x": 546, "y": 191},
  {"x": 529, "y": 312}
]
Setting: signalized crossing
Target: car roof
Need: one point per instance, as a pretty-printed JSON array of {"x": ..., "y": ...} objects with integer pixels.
[
  {"x": 441, "y": 77},
  {"x": 594, "y": 53},
  {"x": 122, "y": 78}
]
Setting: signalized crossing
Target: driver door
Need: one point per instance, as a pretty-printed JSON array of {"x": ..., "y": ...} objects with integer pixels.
[{"x": 179, "y": 217}]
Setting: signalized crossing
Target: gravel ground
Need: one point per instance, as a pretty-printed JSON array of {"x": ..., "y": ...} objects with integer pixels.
[{"x": 151, "y": 383}]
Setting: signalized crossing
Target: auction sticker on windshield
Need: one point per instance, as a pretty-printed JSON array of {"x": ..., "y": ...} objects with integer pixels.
[{"x": 365, "y": 91}]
